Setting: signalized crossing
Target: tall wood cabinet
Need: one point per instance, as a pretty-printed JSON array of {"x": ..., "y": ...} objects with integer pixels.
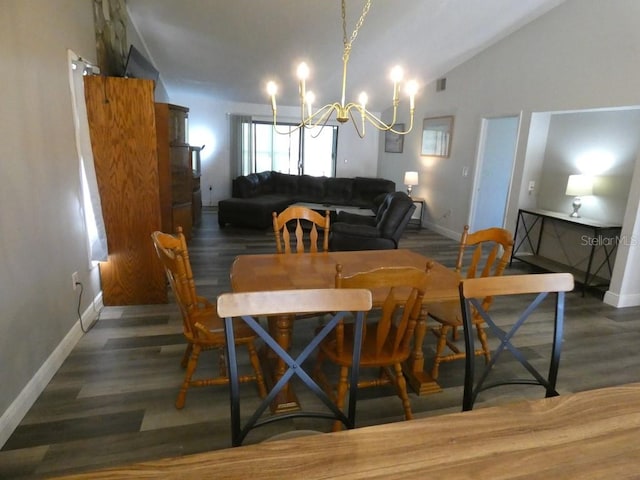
[
  {"x": 174, "y": 168},
  {"x": 122, "y": 125}
]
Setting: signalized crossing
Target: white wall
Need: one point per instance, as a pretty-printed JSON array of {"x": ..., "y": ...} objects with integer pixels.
[
  {"x": 580, "y": 55},
  {"x": 610, "y": 140},
  {"x": 209, "y": 125},
  {"x": 42, "y": 235}
]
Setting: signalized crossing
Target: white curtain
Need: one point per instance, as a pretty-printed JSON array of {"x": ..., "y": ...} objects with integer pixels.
[
  {"x": 91, "y": 206},
  {"x": 241, "y": 152}
]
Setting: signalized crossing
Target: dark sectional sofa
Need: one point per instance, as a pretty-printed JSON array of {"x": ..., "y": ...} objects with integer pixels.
[{"x": 256, "y": 196}]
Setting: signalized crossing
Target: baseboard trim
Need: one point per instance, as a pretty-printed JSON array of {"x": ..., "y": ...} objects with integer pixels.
[
  {"x": 621, "y": 301},
  {"x": 443, "y": 231},
  {"x": 12, "y": 417}
]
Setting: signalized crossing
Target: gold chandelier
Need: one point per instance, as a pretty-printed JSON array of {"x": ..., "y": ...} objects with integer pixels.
[{"x": 343, "y": 111}]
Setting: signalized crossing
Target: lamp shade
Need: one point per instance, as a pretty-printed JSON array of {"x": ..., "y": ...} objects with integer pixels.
[
  {"x": 579, "y": 185},
  {"x": 411, "y": 178}
]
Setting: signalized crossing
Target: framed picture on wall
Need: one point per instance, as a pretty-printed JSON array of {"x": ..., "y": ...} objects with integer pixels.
[
  {"x": 436, "y": 136},
  {"x": 394, "y": 142}
]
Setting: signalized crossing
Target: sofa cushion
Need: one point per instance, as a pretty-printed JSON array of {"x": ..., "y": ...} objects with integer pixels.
[
  {"x": 285, "y": 184},
  {"x": 246, "y": 186},
  {"x": 251, "y": 212},
  {"x": 356, "y": 230},
  {"x": 338, "y": 191},
  {"x": 311, "y": 189},
  {"x": 354, "y": 218},
  {"x": 266, "y": 182},
  {"x": 367, "y": 189}
]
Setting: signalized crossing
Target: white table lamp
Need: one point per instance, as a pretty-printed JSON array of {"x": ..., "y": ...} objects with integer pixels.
[
  {"x": 579, "y": 186},
  {"x": 410, "y": 179}
]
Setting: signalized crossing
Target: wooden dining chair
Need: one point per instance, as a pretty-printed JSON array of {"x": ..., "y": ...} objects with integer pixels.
[
  {"x": 248, "y": 307},
  {"x": 202, "y": 327},
  {"x": 489, "y": 258},
  {"x": 473, "y": 293},
  {"x": 292, "y": 220},
  {"x": 387, "y": 340}
]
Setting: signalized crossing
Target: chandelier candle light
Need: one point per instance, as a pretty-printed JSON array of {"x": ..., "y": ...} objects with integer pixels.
[{"x": 343, "y": 111}]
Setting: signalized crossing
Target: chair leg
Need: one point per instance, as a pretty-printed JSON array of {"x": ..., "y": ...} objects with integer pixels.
[
  {"x": 343, "y": 384},
  {"x": 222, "y": 363},
  {"x": 187, "y": 354},
  {"x": 255, "y": 363},
  {"x": 191, "y": 368},
  {"x": 401, "y": 387},
  {"x": 440, "y": 346},
  {"x": 455, "y": 335}
]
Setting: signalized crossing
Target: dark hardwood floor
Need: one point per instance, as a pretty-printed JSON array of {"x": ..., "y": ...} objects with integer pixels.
[{"x": 112, "y": 401}]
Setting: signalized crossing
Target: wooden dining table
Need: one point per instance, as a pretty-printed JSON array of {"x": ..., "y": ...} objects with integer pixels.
[
  {"x": 587, "y": 435},
  {"x": 251, "y": 273}
]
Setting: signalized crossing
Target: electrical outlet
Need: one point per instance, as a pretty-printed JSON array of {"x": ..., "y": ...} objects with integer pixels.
[{"x": 74, "y": 279}]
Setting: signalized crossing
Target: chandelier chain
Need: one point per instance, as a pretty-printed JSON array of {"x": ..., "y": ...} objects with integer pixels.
[{"x": 348, "y": 42}]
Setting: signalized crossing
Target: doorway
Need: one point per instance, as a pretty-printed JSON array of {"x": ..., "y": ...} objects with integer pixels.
[{"x": 494, "y": 169}]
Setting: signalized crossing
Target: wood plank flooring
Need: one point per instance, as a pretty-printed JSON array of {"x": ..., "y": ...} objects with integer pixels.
[{"x": 112, "y": 401}]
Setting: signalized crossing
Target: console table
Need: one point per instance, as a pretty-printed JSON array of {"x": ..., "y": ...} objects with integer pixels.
[
  {"x": 419, "y": 202},
  {"x": 556, "y": 242}
]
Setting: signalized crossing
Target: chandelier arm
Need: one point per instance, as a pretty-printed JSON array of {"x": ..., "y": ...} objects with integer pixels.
[
  {"x": 322, "y": 115},
  {"x": 404, "y": 132},
  {"x": 279, "y": 132},
  {"x": 395, "y": 112},
  {"x": 373, "y": 119},
  {"x": 379, "y": 123},
  {"x": 355, "y": 125},
  {"x": 324, "y": 124}
]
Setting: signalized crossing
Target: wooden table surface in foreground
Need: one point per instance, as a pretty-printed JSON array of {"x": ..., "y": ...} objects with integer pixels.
[
  {"x": 296, "y": 271},
  {"x": 587, "y": 435}
]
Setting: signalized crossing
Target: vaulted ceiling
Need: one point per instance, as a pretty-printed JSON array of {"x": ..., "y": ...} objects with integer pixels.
[{"x": 230, "y": 48}]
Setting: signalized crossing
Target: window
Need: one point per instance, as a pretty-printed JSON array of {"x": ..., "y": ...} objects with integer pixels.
[
  {"x": 319, "y": 147},
  {"x": 309, "y": 151}
]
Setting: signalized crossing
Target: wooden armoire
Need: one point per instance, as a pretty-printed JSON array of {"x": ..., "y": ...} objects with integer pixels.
[
  {"x": 122, "y": 125},
  {"x": 174, "y": 168}
]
